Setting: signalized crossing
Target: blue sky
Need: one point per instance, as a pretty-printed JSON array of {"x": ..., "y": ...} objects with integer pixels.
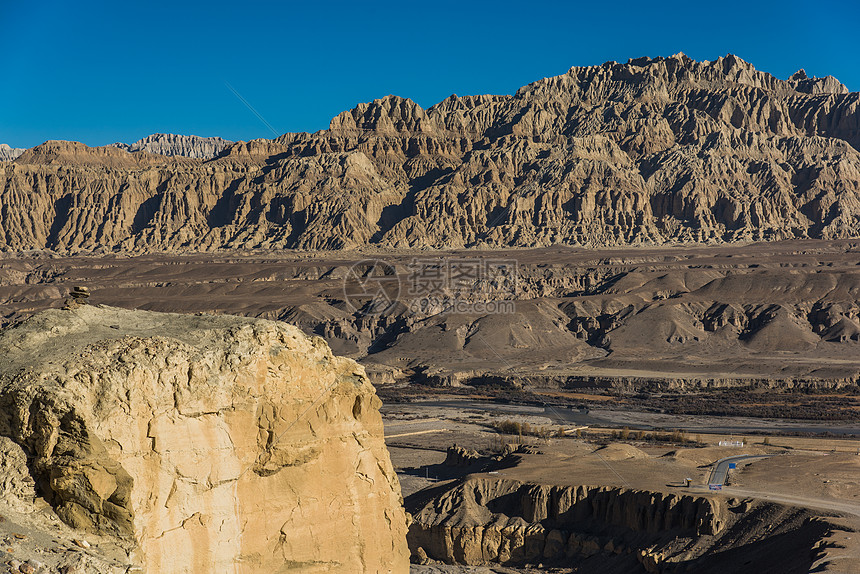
[{"x": 100, "y": 72}]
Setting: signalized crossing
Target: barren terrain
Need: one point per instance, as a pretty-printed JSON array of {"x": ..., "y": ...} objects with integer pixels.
[
  {"x": 570, "y": 300},
  {"x": 793, "y": 512},
  {"x": 614, "y": 347},
  {"x": 581, "y": 304},
  {"x": 688, "y": 330}
]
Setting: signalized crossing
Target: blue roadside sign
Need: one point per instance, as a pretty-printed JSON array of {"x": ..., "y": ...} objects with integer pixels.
[
  {"x": 715, "y": 486},
  {"x": 732, "y": 465}
]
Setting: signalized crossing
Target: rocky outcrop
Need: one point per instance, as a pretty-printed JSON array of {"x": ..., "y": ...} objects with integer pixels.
[
  {"x": 173, "y": 144},
  {"x": 826, "y": 85},
  {"x": 9, "y": 153},
  {"x": 461, "y": 456},
  {"x": 66, "y": 155},
  {"x": 651, "y": 151},
  {"x": 203, "y": 443}
]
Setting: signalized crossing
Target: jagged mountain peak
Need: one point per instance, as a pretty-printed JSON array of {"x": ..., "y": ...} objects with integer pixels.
[
  {"x": 8, "y": 153},
  {"x": 798, "y": 76},
  {"x": 825, "y": 85},
  {"x": 388, "y": 114},
  {"x": 677, "y": 71}
]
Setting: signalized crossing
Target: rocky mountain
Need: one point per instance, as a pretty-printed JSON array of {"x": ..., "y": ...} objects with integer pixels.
[
  {"x": 197, "y": 444},
  {"x": 9, "y": 153},
  {"x": 826, "y": 85},
  {"x": 172, "y": 144},
  {"x": 646, "y": 152}
]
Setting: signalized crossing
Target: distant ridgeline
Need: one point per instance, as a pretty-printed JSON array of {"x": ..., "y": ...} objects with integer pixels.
[
  {"x": 172, "y": 144},
  {"x": 651, "y": 151}
]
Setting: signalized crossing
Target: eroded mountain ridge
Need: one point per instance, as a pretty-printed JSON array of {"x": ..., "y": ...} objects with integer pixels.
[{"x": 651, "y": 151}]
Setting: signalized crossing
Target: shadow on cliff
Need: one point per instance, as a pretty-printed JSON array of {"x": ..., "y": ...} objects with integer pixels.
[
  {"x": 791, "y": 552},
  {"x": 450, "y": 475},
  {"x": 393, "y": 214},
  {"x": 477, "y": 520}
]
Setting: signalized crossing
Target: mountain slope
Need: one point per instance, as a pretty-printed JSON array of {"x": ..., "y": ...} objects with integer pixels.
[{"x": 651, "y": 151}]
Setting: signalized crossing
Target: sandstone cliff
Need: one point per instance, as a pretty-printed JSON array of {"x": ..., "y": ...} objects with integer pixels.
[
  {"x": 650, "y": 151},
  {"x": 173, "y": 144},
  {"x": 203, "y": 443}
]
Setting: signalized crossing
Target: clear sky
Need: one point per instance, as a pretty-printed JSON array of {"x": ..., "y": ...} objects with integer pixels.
[{"x": 100, "y": 72}]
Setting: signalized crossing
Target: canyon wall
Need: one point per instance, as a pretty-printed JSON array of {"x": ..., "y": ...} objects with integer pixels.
[
  {"x": 204, "y": 443},
  {"x": 488, "y": 520},
  {"x": 485, "y": 519}
]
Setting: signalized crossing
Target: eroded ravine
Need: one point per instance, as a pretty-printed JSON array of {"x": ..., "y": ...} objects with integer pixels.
[{"x": 484, "y": 519}]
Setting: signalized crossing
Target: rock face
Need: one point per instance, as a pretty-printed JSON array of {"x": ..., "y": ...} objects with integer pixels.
[
  {"x": 826, "y": 85},
  {"x": 599, "y": 529},
  {"x": 509, "y": 522},
  {"x": 173, "y": 144},
  {"x": 206, "y": 444},
  {"x": 9, "y": 153},
  {"x": 651, "y": 151},
  {"x": 75, "y": 155}
]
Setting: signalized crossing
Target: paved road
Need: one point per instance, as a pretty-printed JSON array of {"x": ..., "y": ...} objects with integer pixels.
[
  {"x": 721, "y": 468},
  {"x": 814, "y": 503}
]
